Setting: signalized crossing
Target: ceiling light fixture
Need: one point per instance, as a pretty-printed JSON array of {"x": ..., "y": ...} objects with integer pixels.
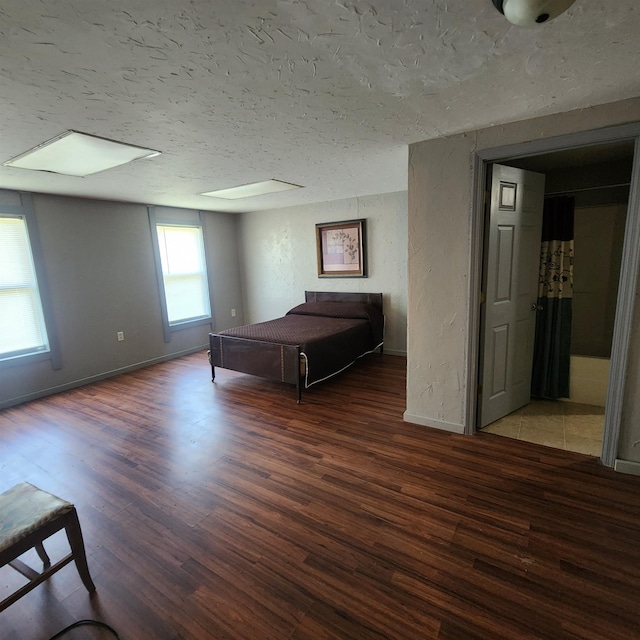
[
  {"x": 526, "y": 13},
  {"x": 79, "y": 154},
  {"x": 251, "y": 190}
]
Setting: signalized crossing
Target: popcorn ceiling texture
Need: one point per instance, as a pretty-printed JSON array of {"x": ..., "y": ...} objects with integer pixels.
[{"x": 323, "y": 94}]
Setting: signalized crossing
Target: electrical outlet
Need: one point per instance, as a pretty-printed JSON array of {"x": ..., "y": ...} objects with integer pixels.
[
  {"x": 233, "y": 313},
  {"x": 120, "y": 335}
]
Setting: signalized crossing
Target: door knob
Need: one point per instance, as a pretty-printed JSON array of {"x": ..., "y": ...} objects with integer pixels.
[{"x": 536, "y": 307}]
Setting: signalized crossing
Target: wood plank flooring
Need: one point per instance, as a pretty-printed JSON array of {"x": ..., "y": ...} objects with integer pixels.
[{"x": 226, "y": 510}]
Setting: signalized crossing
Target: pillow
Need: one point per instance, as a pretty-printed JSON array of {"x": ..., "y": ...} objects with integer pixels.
[{"x": 353, "y": 310}]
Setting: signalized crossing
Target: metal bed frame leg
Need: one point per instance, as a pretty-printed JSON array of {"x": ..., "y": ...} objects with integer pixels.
[{"x": 213, "y": 369}]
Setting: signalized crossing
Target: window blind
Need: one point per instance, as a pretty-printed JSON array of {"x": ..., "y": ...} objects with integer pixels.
[
  {"x": 22, "y": 328},
  {"x": 184, "y": 272}
]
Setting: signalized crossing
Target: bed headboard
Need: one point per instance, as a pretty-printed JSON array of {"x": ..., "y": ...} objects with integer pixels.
[{"x": 341, "y": 296}]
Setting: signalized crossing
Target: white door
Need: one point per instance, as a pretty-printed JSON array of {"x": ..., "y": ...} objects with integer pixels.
[{"x": 511, "y": 291}]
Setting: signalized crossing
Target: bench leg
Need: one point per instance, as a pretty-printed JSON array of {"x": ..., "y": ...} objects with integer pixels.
[
  {"x": 42, "y": 554},
  {"x": 74, "y": 535}
]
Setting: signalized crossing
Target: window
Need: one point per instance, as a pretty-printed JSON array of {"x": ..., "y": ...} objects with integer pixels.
[
  {"x": 181, "y": 268},
  {"x": 22, "y": 326},
  {"x": 184, "y": 273}
]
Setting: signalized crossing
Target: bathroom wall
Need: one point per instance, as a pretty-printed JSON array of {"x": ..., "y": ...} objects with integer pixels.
[{"x": 598, "y": 240}]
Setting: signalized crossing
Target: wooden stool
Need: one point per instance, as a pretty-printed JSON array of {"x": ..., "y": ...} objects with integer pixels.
[{"x": 28, "y": 516}]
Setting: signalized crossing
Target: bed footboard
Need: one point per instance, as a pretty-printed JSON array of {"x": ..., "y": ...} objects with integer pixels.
[{"x": 279, "y": 362}]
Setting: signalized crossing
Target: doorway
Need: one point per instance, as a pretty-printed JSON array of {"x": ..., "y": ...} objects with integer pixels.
[
  {"x": 598, "y": 180},
  {"x": 572, "y": 157}
]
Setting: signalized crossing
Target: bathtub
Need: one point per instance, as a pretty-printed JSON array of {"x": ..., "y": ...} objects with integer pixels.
[{"x": 588, "y": 380}]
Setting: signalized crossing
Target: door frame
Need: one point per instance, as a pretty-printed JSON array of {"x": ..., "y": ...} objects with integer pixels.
[{"x": 629, "y": 270}]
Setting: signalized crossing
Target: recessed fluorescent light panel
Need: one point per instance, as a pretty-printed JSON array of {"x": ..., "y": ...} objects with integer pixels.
[
  {"x": 79, "y": 154},
  {"x": 253, "y": 189}
]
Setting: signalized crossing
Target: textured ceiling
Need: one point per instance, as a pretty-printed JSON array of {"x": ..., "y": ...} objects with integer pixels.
[{"x": 318, "y": 93}]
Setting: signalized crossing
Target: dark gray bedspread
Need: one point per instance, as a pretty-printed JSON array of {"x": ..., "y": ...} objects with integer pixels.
[{"x": 331, "y": 335}]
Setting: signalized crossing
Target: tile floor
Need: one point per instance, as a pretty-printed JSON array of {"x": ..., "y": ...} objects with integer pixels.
[{"x": 563, "y": 425}]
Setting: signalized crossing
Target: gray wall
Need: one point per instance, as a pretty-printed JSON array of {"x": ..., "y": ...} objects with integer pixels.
[
  {"x": 601, "y": 193},
  {"x": 279, "y": 262},
  {"x": 440, "y": 206},
  {"x": 599, "y": 234},
  {"x": 99, "y": 265}
]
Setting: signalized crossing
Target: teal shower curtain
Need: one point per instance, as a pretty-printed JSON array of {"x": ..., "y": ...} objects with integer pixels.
[{"x": 552, "y": 346}]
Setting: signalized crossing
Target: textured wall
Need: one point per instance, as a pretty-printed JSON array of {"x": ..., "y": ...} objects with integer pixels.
[
  {"x": 440, "y": 204},
  {"x": 278, "y": 251},
  {"x": 439, "y": 200}
]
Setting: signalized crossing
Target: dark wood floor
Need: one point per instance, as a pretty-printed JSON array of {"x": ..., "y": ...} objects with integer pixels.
[{"x": 228, "y": 511}]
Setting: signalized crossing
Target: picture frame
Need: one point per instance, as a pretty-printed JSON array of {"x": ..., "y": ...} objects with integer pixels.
[{"x": 342, "y": 249}]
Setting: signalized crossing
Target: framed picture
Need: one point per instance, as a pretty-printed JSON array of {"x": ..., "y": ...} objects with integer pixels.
[{"x": 342, "y": 249}]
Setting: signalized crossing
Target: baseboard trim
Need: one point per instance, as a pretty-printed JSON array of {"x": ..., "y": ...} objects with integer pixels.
[
  {"x": 627, "y": 466},
  {"x": 393, "y": 352},
  {"x": 430, "y": 422},
  {"x": 96, "y": 378}
]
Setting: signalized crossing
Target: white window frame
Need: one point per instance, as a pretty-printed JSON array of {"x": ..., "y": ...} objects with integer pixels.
[
  {"x": 161, "y": 217},
  {"x": 20, "y": 205}
]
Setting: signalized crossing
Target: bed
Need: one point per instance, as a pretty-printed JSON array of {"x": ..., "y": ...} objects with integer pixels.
[{"x": 312, "y": 342}]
